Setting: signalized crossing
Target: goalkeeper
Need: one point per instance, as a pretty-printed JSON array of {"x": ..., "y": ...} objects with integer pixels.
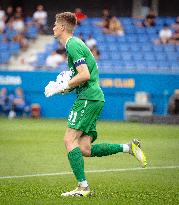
[{"x": 81, "y": 131}]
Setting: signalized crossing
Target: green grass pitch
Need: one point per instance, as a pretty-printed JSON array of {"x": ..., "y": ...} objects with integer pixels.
[{"x": 30, "y": 147}]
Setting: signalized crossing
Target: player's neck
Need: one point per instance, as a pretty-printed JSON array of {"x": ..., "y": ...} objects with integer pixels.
[{"x": 64, "y": 38}]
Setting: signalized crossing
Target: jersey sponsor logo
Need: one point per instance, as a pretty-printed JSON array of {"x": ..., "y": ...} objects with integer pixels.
[{"x": 79, "y": 62}]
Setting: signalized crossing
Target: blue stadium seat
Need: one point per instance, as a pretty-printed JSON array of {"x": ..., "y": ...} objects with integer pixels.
[
  {"x": 163, "y": 64},
  {"x": 4, "y": 47},
  {"x": 102, "y": 47},
  {"x": 141, "y": 65},
  {"x": 130, "y": 65},
  {"x": 170, "y": 20},
  {"x": 151, "y": 31},
  {"x": 14, "y": 47},
  {"x": 121, "y": 39},
  {"x": 105, "y": 66},
  {"x": 158, "y": 48},
  {"x": 149, "y": 56},
  {"x": 126, "y": 56},
  {"x": 124, "y": 47},
  {"x": 110, "y": 39},
  {"x": 135, "y": 47},
  {"x": 143, "y": 38},
  {"x": 131, "y": 38},
  {"x": 125, "y": 20},
  {"x": 175, "y": 66},
  {"x": 2, "y": 37},
  {"x": 172, "y": 56},
  {"x": 152, "y": 64},
  {"x": 140, "y": 31},
  {"x": 4, "y": 57},
  {"x": 169, "y": 48},
  {"x": 99, "y": 38},
  {"x": 130, "y": 30},
  {"x": 146, "y": 47},
  {"x": 32, "y": 32},
  {"x": 104, "y": 56},
  {"x": 113, "y": 48},
  {"x": 160, "y": 56},
  {"x": 115, "y": 56},
  {"x": 177, "y": 48},
  {"x": 11, "y": 33},
  {"x": 137, "y": 56},
  {"x": 117, "y": 64}
]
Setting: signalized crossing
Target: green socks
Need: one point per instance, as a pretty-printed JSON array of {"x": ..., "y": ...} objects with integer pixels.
[
  {"x": 77, "y": 164},
  {"x": 99, "y": 150}
]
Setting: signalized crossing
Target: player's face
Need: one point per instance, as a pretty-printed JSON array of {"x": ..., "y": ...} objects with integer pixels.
[{"x": 58, "y": 29}]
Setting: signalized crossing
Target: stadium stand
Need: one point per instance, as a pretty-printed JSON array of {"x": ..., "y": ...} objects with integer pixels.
[{"x": 133, "y": 52}]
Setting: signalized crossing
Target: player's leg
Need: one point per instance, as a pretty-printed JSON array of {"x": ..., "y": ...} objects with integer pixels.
[
  {"x": 106, "y": 149},
  {"x": 76, "y": 161},
  {"x": 99, "y": 150},
  {"x": 85, "y": 145}
]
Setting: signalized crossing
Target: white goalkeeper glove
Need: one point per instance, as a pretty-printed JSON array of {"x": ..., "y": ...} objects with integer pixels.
[
  {"x": 53, "y": 88},
  {"x": 64, "y": 76}
]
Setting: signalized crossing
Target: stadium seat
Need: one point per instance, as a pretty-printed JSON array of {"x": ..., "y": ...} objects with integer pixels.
[
  {"x": 134, "y": 50},
  {"x": 141, "y": 65},
  {"x": 140, "y": 31},
  {"x": 131, "y": 38},
  {"x": 172, "y": 56},
  {"x": 4, "y": 47},
  {"x": 130, "y": 65},
  {"x": 158, "y": 48},
  {"x": 149, "y": 56},
  {"x": 104, "y": 56},
  {"x": 32, "y": 32},
  {"x": 146, "y": 47},
  {"x": 160, "y": 56},
  {"x": 115, "y": 56},
  {"x": 113, "y": 48},
  {"x": 4, "y": 57},
  {"x": 14, "y": 47},
  {"x": 137, "y": 56},
  {"x": 126, "y": 56},
  {"x": 124, "y": 47},
  {"x": 169, "y": 48},
  {"x": 152, "y": 64},
  {"x": 135, "y": 47},
  {"x": 143, "y": 38}
]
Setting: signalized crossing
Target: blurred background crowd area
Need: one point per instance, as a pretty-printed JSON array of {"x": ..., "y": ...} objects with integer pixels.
[{"x": 135, "y": 36}]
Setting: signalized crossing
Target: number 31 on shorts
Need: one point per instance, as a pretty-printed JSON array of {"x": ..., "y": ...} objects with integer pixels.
[{"x": 72, "y": 116}]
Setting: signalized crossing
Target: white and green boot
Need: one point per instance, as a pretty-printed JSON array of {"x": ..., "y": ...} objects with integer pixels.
[{"x": 79, "y": 191}]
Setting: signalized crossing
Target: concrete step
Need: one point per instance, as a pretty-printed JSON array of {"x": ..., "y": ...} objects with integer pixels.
[{"x": 19, "y": 62}]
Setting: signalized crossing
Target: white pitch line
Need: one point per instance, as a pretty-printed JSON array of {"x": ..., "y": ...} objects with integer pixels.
[{"x": 90, "y": 171}]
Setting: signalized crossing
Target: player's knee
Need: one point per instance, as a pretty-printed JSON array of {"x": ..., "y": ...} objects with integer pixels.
[
  {"x": 70, "y": 141},
  {"x": 86, "y": 151}
]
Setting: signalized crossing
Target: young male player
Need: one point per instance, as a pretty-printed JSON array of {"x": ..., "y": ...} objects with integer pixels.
[{"x": 81, "y": 131}]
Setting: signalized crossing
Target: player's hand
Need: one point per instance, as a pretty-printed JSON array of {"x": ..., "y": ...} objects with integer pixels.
[
  {"x": 64, "y": 76},
  {"x": 53, "y": 88}
]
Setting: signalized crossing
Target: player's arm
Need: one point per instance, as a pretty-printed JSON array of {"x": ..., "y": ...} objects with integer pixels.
[{"x": 82, "y": 76}]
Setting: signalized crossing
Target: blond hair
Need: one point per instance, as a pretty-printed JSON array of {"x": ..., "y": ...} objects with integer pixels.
[{"x": 68, "y": 19}]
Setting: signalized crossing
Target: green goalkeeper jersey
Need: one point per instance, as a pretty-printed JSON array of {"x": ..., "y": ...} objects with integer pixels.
[{"x": 78, "y": 53}]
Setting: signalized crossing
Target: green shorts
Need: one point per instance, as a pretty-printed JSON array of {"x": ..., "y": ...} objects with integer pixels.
[{"x": 83, "y": 116}]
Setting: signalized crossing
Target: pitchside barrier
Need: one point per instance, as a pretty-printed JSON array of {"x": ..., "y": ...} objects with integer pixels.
[{"x": 118, "y": 89}]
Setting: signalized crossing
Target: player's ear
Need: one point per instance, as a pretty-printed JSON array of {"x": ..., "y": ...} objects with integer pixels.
[{"x": 62, "y": 27}]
